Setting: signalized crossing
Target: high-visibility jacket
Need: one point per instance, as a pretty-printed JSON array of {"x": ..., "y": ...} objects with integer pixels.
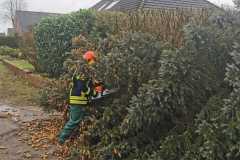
[{"x": 81, "y": 91}]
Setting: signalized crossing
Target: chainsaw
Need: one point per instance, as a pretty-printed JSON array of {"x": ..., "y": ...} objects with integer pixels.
[
  {"x": 106, "y": 93},
  {"x": 94, "y": 99}
]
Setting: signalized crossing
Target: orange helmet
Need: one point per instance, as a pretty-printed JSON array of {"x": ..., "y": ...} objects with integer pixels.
[{"x": 89, "y": 56}]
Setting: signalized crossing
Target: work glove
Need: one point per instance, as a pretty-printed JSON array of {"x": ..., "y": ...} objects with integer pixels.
[{"x": 99, "y": 87}]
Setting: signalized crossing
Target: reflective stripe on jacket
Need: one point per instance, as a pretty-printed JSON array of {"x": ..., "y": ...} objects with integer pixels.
[{"x": 80, "y": 91}]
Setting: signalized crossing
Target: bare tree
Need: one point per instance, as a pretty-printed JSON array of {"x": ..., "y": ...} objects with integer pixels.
[{"x": 10, "y": 7}]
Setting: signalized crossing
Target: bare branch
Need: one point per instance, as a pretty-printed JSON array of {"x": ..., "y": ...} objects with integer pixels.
[{"x": 10, "y": 7}]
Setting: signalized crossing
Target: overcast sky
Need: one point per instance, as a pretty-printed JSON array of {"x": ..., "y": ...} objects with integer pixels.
[{"x": 64, "y": 6}]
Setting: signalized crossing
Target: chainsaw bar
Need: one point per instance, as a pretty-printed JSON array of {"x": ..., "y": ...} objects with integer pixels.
[{"x": 105, "y": 94}]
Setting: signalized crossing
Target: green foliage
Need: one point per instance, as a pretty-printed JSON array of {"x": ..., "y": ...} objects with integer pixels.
[
  {"x": 128, "y": 62},
  {"x": 173, "y": 103},
  {"x": 9, "y": 41},
  {"x": 53, "y": 35},
  {"x": 124, "y": 61},
  {"x": 231, "y": 127},
  {"x": 215, "y": 133},
  {"x": 53, "y": 38},
  {"x": 7, "y": 51}
]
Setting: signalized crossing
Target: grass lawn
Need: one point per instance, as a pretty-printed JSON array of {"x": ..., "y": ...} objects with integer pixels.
[
  {"x": 22, "y": 64},
  {"x": 15, "y": 90}
]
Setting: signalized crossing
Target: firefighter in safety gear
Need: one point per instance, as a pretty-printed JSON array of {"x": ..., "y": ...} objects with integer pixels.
[{"x": 80, "y": 94}]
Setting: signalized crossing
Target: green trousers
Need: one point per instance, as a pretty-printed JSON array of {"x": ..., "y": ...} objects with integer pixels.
[{"x": 77, "y": 114}]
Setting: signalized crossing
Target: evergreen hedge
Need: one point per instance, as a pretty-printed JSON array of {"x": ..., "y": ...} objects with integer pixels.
[
  {"x": 174, "y": 103},
  {"x": 53, "y": 35},
  {"x": 53, "y": 38}
]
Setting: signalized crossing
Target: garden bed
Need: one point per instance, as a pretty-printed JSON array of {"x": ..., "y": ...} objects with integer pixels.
[
  {"x": 23, "y": 69},
  {"x": 22, "y": 64},
  {"x": 15, "y": 90}
]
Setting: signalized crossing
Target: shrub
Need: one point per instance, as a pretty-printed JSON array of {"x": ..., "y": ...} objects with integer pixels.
[
  {"x": 7, "y": 51},
  {"x": 214, "y": 134},
  {"x": 174, "y": 102},
  {"x": 166, "y": 106},
  {"x": 53, "y": 38},
  {"x": 53, "y": 35},
  {"x": 11, "y": 42}
]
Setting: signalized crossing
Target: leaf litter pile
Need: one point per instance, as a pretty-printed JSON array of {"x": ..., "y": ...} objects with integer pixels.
[{"x": 42, "y": 136}]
